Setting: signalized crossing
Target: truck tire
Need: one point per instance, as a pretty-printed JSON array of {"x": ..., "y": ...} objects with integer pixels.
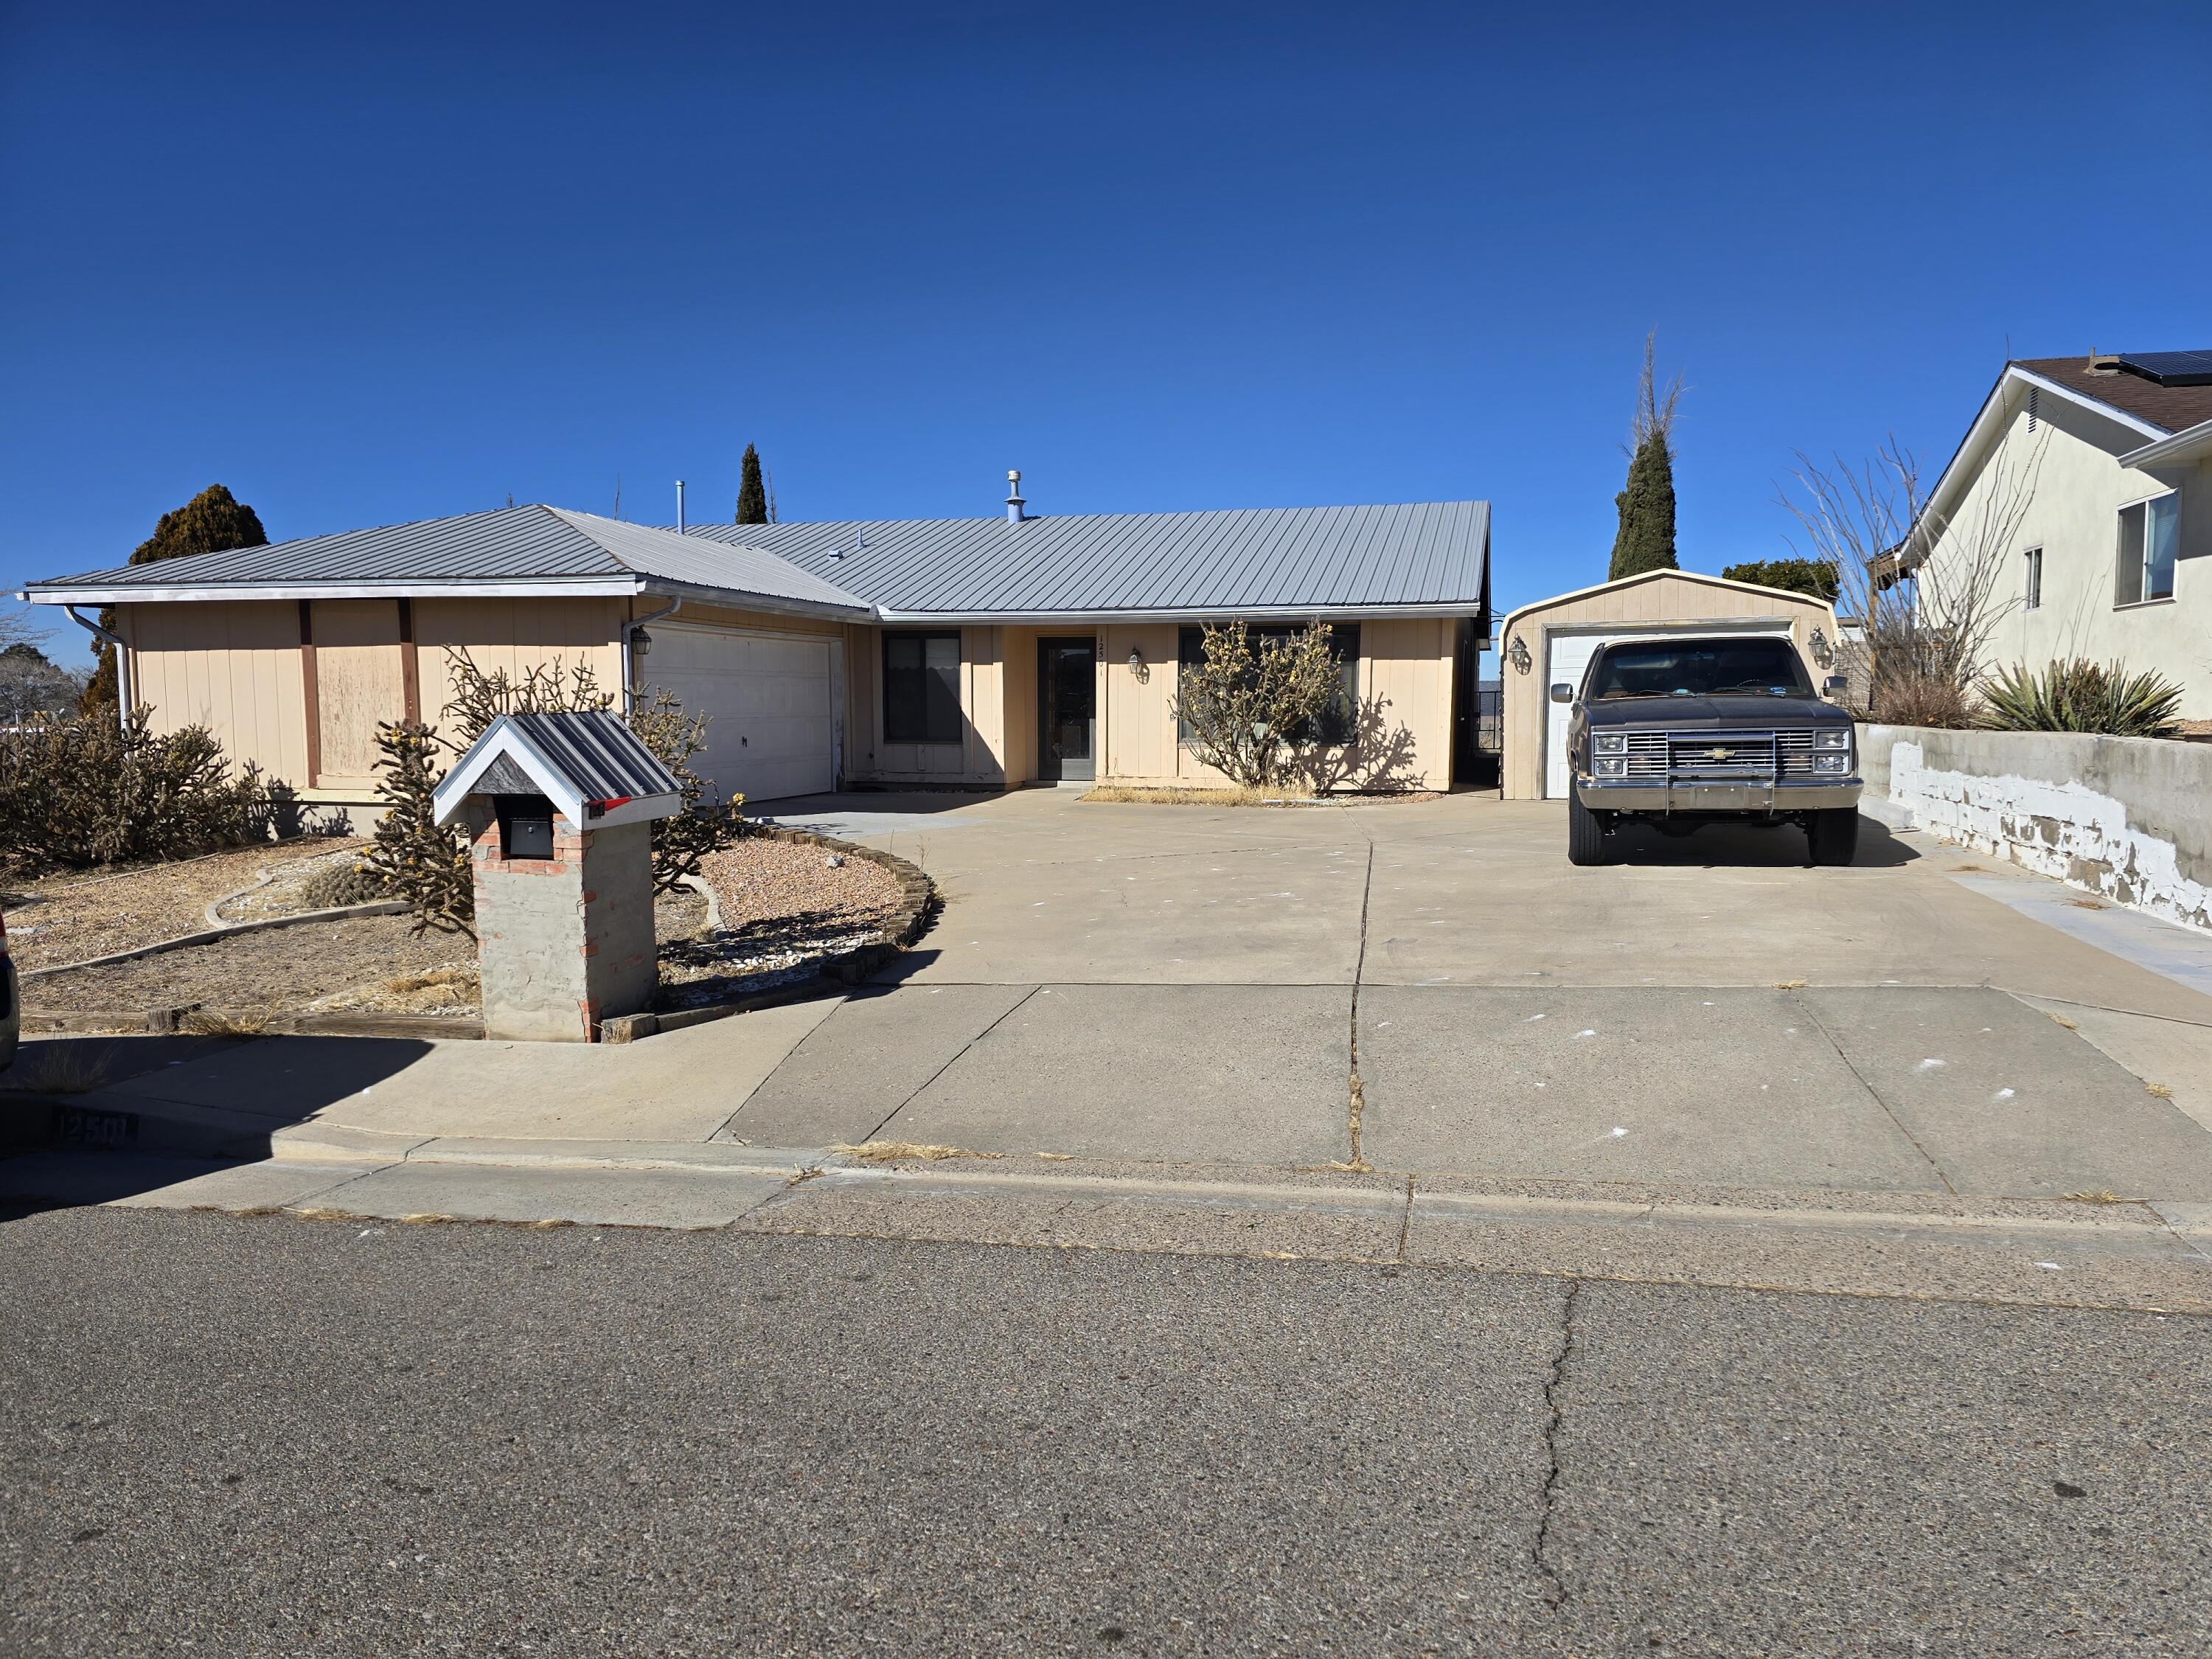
[
  {"x": 1832, "y": 836},
  {"x": 1585, "y": 834}
]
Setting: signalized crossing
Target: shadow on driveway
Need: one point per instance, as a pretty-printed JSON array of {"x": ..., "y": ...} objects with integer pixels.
[{"x": 1730, "y": 842}]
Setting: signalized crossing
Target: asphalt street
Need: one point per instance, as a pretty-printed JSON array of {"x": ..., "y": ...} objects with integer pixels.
[{"x": 244, "y": 1435}]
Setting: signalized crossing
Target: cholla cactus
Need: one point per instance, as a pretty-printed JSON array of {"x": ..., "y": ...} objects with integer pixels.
[{"x": 420, "y": 862}]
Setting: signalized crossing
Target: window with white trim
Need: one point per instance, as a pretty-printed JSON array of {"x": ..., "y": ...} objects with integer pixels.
[
  {"x": 2034, "y": 559},
  {"x": 2150, "y": 535}
]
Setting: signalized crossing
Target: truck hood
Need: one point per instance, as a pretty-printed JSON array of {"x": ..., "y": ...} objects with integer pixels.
[{"x": 1722, "y": 713}]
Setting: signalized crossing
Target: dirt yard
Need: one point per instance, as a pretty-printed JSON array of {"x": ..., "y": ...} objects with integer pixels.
[
  {"x": 783, "y": 906},
  {"x": 74, "y": 917}
]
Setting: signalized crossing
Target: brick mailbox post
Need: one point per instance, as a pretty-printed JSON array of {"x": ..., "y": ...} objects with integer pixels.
[{"x": 560, "y": 811}]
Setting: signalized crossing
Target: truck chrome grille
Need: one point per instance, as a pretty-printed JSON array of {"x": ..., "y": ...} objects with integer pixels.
[
  {"x": 1720, "y": 753},
  {"x": 1661, "y": 755}
]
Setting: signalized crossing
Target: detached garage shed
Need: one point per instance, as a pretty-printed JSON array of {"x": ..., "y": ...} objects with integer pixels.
[{"x": 1553, "y": 642}]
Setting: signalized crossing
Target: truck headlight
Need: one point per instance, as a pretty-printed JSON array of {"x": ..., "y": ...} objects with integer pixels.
[
  {"x": 1836, "y": 764},
  {"x": 1612, "y": 766},
  {"x": 1833, "y": 736},
  {"x": 1610, "y": 742}
]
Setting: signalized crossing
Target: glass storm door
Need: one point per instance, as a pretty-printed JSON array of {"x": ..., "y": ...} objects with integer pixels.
[{"x": 1067, "y": 694}]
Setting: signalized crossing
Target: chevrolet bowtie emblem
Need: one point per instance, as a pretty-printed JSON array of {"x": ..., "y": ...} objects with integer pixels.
[{"x": 1720, "y": 753}]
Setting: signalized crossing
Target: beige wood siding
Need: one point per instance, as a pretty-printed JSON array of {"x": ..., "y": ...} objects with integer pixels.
[
  {"x": 359, "y": 682},
  {"x": 1667, "y": 600},
  {"x": 515, "y": 635},
  {"x": 977, "y": 759},
  {"x": 232, "y": 668}
]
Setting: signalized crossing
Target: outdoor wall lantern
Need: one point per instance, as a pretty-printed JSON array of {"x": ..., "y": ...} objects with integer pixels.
[
  {"x": 1517, "y": 654},
  {"x": 640, "y": 643},
  {"x": 1137, "y": 665},
  {"x": 1823, "y": 653}
]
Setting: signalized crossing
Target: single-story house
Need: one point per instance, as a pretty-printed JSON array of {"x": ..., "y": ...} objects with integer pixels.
[
  {"x": 2084, "y": 487},
  {"x": 1552, "y": 641},
  {"x": 979, "y": 653}
]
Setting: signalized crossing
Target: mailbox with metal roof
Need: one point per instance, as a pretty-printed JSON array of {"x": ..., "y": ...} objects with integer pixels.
[
  {"x": 590, "y": 765},
  {"x": 560, "y": 810}
]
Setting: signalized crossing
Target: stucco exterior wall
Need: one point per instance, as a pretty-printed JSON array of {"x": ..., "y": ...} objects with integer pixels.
[
  {"x": 1671, "y": 601},
  {"x": 2122, "y": 818},
  {"x": 2072, "y": 514}
]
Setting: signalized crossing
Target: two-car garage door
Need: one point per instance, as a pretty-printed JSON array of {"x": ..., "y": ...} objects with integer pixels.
[{"x": 771, "y": 700}]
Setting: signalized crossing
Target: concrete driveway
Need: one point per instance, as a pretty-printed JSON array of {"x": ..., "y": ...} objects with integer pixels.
[{"x": 1428, "y": 989}]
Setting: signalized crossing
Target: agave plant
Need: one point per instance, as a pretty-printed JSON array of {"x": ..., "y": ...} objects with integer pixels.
[{"x": 2076, "y": 694}]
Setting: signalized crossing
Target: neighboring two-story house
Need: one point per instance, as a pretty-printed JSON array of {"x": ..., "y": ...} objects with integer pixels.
[{"x": 2088, "y": 480}]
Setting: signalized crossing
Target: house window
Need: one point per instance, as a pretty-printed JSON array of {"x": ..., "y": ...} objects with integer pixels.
[
  {"x": 921, "y": 688},
  {"x": 1339, "y": 724},
  {"x": 2035, "y": 579},
  {"x": 2150, "y": 533}
]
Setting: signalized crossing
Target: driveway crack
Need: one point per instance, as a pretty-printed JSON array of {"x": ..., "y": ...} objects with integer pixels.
[
  {"x": 1019, "y": 1005},
  {"x": 1540, "y": 1551},
  {"x": 1814, "y": 1014},
  {"x": 1358, "y": 1092}
]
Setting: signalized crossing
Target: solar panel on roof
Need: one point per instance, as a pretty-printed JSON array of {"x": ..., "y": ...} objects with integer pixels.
[{"x": 2171, "y": 367}]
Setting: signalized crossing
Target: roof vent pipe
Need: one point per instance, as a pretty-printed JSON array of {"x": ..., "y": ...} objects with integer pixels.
[
  {"x": 679, "y": 507},
  {"x": 1014, "y": 502}
]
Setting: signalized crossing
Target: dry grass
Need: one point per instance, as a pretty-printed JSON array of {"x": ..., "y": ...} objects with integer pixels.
[
  {"x": 2100, "y": 1195},
  {"x": 423, "y": 982},
  {"x": 1789, "y": 984},
  {"x": 1120, "y": 794},
  {"x": 2087, "y": 903},
  {"x": 907, "y": 1151},
  {"x": 1056, "y": 1157},
  {"x": 231, "y": 1022},
  {"x": 1124, "y": 794},
  {"x": 59, "y": 1068},
  {"x": 2067, "y": 1022},
  {"x": 2161, "y": 1091}
]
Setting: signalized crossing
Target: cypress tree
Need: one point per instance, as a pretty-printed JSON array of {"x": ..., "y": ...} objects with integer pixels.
[
  {"x": 1645, "y": 540},
  {"x": 213, "y": 521},
  {"x": 753, "y": 495}
]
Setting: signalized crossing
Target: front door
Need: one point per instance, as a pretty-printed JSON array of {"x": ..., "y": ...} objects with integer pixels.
[{"x": 1067, "y": 709}]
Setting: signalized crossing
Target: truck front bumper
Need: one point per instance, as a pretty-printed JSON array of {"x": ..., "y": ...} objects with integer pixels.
[{"x": 1690, "y": 795}]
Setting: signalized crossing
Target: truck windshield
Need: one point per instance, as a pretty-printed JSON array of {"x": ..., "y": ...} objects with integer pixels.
[{"x": 1700, "y": 668}]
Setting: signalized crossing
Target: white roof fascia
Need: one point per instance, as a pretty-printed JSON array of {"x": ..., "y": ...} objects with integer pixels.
[
  {"x": 2191, "y": 443},
  {"x": 1182, "y": 613},
  {"x": 133, "y": 593},
  {"x": 603, "y": 587},
  {"x": 1994, "y": 408},
  {"x": 1728, "y": 582},
  {"x": 458, "y": 785}
]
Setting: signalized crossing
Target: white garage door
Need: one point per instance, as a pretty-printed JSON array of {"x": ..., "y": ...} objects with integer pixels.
[
  {"x": 1570, "y": 655},
  {"x": 772, "y": 727}
]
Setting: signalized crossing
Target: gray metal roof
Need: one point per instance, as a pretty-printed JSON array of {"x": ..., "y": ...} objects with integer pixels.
[
  {"x": 1432, "y": 555},
  {"x": 512, "y": 544},
  {"x": 592, "y": 765}
]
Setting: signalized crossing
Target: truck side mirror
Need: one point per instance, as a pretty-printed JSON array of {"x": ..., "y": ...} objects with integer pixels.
[
  {"x": 1563, "y": 692},
  {"x": 1835, "y": 685}
]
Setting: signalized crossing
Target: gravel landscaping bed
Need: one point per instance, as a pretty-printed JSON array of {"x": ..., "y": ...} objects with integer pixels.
[
  {"x": 72, "y": 918},
  {"x": 282, "y": 895},
  {"x": 783, "y": 907}
]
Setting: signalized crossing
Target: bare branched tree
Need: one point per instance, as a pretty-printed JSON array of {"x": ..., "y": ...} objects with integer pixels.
[{"x": 1922, "y": 586}]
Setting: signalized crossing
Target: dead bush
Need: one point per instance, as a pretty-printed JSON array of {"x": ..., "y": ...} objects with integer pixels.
[{"x": 78, "y": 792}]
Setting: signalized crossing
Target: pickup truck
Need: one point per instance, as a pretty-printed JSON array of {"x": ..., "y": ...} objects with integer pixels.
[{"x": 1679, "y": 732}]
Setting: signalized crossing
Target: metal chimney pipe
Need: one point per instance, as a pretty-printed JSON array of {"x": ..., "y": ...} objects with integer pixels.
[
  {"x": 1014, "y": 502},
  {"x": 679, "y": 507}
]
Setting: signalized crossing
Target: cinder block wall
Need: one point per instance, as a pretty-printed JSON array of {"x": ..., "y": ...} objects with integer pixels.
[{"x": 2123, "y": 817}]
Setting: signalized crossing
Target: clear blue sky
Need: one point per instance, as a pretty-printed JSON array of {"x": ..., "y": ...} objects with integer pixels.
[{"x": 376, "y": 263}]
